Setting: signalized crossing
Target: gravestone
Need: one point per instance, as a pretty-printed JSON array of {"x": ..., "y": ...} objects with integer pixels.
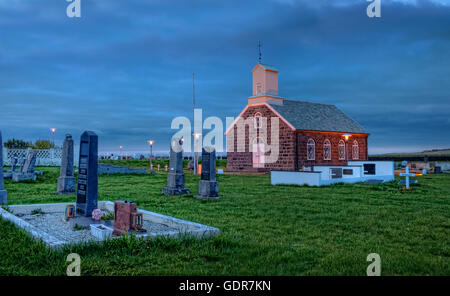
[
  {"x": 66, "y": 180},
  {"x": 208, "y": 187},
  {"x": 87, "y": 189},
  {"x": 26, "y": 171},
  {"x": 8, "y": 174},
  {"x": 175, "y": 177},
  {"x": 3, "y": 194},
  {"x": 124, "y": 214},
  {"x": 14, "y": 163}
]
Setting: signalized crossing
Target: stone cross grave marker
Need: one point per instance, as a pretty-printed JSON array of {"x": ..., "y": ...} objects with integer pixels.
[
  {"x": 208, "y": 187},
  {"x": 407, "y": 174},
  {"x": 87, "y": 189},
  {"x": 15, "y": 160},
  {"x": 66, "y": 180},
  {"x": 26, "y": 171},
  {"x": 3, "y": 194},
  {"x": 175, "y": 177}
]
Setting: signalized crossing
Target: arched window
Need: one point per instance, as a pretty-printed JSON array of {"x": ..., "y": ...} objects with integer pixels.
[
  {"x": 355, "y": 150},
  {"x": 258, "y": 88},
  {"x": 311, "y": 150},
  {"x": 258, "y": 120},
  {"x": 327, "y": 150},
  {"x": 341, "y": 150}
]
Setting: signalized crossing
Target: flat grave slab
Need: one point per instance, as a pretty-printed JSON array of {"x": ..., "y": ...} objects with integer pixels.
[{"x": 51, "y": 228}]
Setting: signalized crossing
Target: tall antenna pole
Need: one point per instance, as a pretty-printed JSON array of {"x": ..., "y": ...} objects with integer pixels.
[{"x": 193, "y": 119}]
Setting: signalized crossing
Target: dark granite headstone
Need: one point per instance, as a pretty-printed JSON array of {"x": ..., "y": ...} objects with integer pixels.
[
  {"x": 87, "y": 189},
  {"x": 208, "y": 187},
  {"x": 3, "y": 194},
  {"x": 66, "y": 180},
  {"x": 175, "y": 177}
]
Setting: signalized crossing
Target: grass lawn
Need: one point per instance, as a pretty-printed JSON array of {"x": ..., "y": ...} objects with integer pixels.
[{"x": 265, "y": 230}]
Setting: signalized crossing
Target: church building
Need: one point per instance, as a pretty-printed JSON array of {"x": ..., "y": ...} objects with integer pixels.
[{"x": 310, "y": 134}]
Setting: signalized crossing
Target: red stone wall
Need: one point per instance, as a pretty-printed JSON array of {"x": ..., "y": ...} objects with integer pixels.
[
  {"x": 292, "y": 147},
  {"x": 243, "y": 161},
  {"x": 334, "y": 138}
]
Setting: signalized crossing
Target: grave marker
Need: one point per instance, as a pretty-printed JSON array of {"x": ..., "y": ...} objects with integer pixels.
[
  {"x": 3, "y": 193},
  {"x": 208, "y": 187},
  {"x": 407, "y": 174},
  {"x": 175, "y": 177},
  {"x": 66, "y": 180},
  {"x": 87, "y": 189}
]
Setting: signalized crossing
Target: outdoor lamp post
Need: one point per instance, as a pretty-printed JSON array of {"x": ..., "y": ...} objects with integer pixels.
[
  {"x": 120, "y": 153},
  {"x": 151, "y": 154},
  {"x": 53, "y": 130},
  {"x": 196, "y": 136},
  {"x": 346, "y": 137}
]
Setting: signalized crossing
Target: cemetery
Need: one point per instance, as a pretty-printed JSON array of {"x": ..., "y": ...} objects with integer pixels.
[
  {"x": 314, "y": 228},
  {"x": 60, "y": 224},
  {"x": 176, "y": 220}
]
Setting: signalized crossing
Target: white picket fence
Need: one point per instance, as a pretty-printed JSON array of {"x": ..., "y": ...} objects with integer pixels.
[{"x": 48, "y": 157}]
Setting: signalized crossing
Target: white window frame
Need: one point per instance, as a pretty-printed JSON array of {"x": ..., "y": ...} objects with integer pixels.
[
  {"x": 327, "y": 143},
  {"x": 355, "y": 150},
  {"x": 310, "y": 143},
  {"x": 257, "y": 120},
  {"x": 341, "y": 145}
]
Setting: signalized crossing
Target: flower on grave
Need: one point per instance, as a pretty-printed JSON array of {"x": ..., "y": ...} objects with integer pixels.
[{"x": 97, "y": 214}]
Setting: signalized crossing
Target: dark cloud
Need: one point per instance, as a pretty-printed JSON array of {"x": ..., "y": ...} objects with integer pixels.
[{"x": 124, "y": 69}]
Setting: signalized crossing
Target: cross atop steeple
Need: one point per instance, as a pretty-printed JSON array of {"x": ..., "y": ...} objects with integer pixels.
[{"x": 260, "y": 55}]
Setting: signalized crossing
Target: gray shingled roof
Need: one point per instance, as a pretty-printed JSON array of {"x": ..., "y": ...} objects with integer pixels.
[{"x": 317, "y": 117}]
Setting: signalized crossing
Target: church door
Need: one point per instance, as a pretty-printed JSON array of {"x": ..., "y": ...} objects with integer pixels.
[{"x": 258, "y": 155}]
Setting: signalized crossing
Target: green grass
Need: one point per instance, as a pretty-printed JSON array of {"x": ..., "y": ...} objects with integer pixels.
[
  {"x": 136, "y": 163},
  {"x": 265, "y": 230}
]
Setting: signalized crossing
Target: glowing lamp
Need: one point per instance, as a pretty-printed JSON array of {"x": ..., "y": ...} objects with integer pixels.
[{"x": 346, "y": 136}]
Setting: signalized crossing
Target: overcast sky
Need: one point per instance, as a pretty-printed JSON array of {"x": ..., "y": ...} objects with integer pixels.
[{"x": 124, "y": 69}]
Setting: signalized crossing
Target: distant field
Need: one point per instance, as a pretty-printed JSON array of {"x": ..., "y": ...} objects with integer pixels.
[
  {"x": 135, "y": 163},
  {"x": 265, "y": 230},
  {"x": 433, "y": 155}
]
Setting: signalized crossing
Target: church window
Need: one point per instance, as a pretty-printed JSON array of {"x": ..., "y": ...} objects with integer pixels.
[
  {"x": 258, "y": 88},
  {"x": 327, "y": 150},
  {"x": 258, "y": 120},
  {"x": 341, "y": 150},
  {"x": 311, "y": 150},
  {"x": 355, "y": 150}
]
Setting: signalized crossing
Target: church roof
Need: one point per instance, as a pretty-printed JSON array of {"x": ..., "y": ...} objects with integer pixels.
[
  {"x": 267, "y": 67},
  {"x": 316, "y": 117}
]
